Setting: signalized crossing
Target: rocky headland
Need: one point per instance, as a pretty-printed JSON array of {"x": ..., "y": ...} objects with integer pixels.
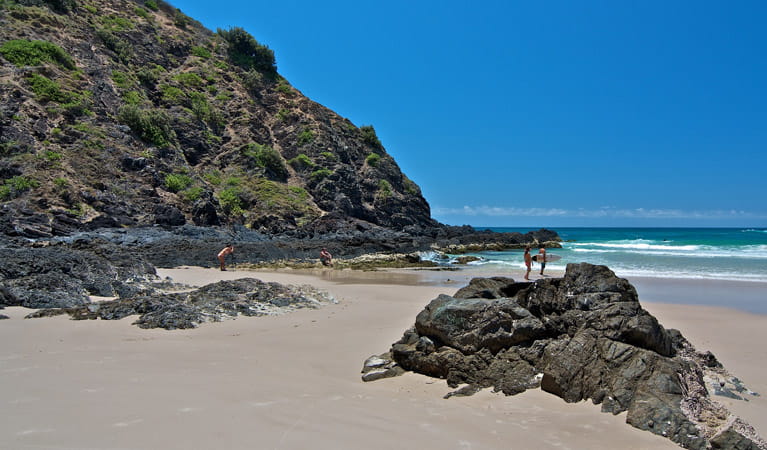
[
  {"x": 583, "y": 336},
  {"x": 132, "y": 137}
]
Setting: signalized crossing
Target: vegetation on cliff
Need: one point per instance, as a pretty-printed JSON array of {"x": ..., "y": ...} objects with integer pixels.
[{"x": 129, "y": 112}]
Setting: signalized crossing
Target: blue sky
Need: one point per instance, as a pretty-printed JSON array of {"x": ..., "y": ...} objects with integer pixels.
[{"x": 530, "y": 114}]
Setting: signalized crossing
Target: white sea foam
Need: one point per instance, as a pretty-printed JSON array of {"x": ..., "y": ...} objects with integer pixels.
[
  {"x": 639, "y": 245},
  {"x": 699, "y": 251}
]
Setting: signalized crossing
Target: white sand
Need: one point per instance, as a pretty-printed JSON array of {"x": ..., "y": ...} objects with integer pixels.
[{"x": 293, "y": 381}]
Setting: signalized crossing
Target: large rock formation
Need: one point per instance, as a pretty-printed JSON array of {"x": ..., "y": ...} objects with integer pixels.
[{"x": 584, "y": 336}]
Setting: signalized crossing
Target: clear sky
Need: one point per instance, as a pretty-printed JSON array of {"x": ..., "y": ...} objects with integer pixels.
[{"x": 530, "y": 114}]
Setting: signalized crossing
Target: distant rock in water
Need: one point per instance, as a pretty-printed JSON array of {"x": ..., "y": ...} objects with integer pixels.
[
  {"x": 583, "y": 336},
  {"x": 211, "y": 303}
]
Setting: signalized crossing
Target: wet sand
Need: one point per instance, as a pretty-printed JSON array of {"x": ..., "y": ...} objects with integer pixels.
[{"x": 293, "y": 381}]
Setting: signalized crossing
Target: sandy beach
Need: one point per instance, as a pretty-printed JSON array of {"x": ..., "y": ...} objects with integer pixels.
[{"x": 293, "y": 381}]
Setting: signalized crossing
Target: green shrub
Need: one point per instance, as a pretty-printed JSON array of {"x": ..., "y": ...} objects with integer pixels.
[
  {"x": 369, "y": 136},
  {"x": 148, "y": 76},
  {"x": 15, "y": 186},
  {"x": 46, "y": 89},
  {"x": 252, "y": 80},
  {"x": 60, "y": 182},
  {"x": 175, "y": 182},
  {"x": 279, "y": 197},
  {"x": 91, "y": 9},
  {"x": 305, "y": 137},
  {"x": 245, "y": 51},
  {"x": 267, "y": 158},
  {"x": 51, "y": 156},
  {"x": 172, "y": 94},
  {"x": 116, "y": 23},
  {"x": 213, "y": 178},
  {"x": 133, "y": 98},
  {"x": 151, "y": 4},
  {"x": 206, "y": 113},
  {"x": 190, "y": 80},
  {"x": 384, "y": 189},
  {"x": 284, "y": 88},
  {"x": 301, "y": 163},
  {"x": 320, "y": 174},
  {"x": 233, "y": 181},
  {"x": 201, "y": 52},
  {"x": 22, "y": 53},
  {"x": 151, "y": 125},
  {"x": 121, "y": 79},
  {"x": 181, "y": 20},
  {"x": 330, "y": 156},
  {"x": 231, "y": 201},
  {"x": 283, "y": 115},
  {"x": 411, "y": 187},
  {"x": 73, "y": 104},
  {"x": 141, "y": 12},
  {"x": 372, "y": 159},
  {"x": 120, "y": 47},
  {"x": 193, "y": 194}
]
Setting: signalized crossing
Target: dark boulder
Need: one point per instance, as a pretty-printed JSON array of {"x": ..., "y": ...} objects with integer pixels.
[{"x": 584, "y": 336}]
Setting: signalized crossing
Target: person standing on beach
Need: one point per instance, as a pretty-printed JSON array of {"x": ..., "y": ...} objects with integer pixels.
[
  {"x": 528, "y": 262},
  {"x": 542, "y": 258},
  {"x": 228, "y": 250}
]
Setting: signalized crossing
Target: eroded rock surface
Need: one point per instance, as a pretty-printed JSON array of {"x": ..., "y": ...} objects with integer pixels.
[
  {"x": 583, "y": 336},
  {"x": 211, "y": 303}
]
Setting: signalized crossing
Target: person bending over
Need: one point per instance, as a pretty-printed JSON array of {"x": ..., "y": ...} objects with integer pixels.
[
  {"x": 326, "y": 258},
  {"x": 228, "y": 250}
]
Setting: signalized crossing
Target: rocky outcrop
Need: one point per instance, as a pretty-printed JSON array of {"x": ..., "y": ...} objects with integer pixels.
[
  {"x": 584, "y": 336},
  {"x": 343, "y": 237},
  {"x": 65, "y": 276},
  {"x": 60, "y": 272},
  {"x": 212, "y": 303}
]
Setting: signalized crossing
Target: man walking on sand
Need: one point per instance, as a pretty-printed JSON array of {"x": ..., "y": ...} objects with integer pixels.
[
  {"x": 228, "y": 250},
  {"x": 542, "y": 258}
]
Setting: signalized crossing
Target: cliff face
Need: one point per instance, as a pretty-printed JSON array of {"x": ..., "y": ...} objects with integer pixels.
[{"x": 127, "y": 113}]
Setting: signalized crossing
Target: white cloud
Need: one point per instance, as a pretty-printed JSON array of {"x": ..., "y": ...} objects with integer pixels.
[{"x": 604, "y": 212}]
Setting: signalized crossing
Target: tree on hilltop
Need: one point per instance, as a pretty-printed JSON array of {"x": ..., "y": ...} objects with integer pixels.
[{"x": 245, "y": 51}]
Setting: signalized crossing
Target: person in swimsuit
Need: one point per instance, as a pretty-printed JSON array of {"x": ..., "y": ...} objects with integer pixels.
[
  {"x": 228, "y": 250},
  {"x": 326, "y": 258},
  {"x": 542, "y": 258},
  {"x": 528, "y": 262}
]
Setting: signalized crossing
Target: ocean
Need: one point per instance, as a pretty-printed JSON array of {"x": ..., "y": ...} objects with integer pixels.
[{"x": 738, "y": 254}]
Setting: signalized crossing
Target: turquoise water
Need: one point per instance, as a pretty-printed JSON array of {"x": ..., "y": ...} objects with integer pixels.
[{"x": 703, "y": 253}]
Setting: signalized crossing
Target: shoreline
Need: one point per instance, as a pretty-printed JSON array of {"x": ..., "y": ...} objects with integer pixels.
[{"x": 293, "y": 381}]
